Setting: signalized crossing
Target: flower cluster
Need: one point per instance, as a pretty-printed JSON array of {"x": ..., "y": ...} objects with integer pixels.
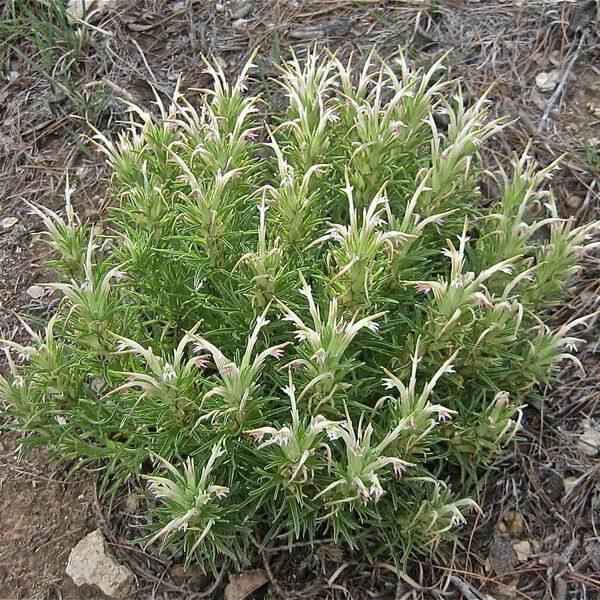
[{"x": 312, "y": 324}]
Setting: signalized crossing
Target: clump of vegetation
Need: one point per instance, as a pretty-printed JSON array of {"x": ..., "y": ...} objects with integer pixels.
[
  {"x": 312, "y": 325},
  {"x": 39, "y": 33}
]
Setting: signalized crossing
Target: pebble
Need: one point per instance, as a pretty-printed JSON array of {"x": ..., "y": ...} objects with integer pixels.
[
  {"x": 574, "y": 202},
  {"x": 36, "y": 291},
  {"x": 9, "y": 222},
  {"x": 91, "y": 562},
  {"x": 547, "y": 82}
]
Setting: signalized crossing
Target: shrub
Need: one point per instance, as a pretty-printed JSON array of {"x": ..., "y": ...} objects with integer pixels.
[{"x": 315, "y": 323}]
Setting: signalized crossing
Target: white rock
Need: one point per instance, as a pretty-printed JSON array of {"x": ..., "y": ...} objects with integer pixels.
[
  {"x": 523, "y": 550},
  {"x": 36, "y": 291},
  {"x": 91, "y": 562},
  {"x": 547, "y": 82},
  {"x": 9, "y": 222}
]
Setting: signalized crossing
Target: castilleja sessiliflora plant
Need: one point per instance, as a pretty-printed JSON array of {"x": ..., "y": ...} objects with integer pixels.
[{"x": 314, "y": 324}]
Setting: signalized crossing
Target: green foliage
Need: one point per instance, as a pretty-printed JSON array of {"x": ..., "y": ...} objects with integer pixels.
[
  {"x": 592, "y": 154},
  {"x": 313, "y": 325}
]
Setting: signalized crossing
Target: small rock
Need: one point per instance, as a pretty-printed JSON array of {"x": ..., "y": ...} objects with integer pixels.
[
  {"x": 509, "y": 108},
  {"x": 574, "y": 202},
  {"x": 547, "y": 82},
  {"x": 503, "y": 557},
  {"x": 221, "y": 62},
  {"x": 241, "y": 10},
  {"x": 538, "y": 100},
  {"x": 306, "y": 33},
  {"x": 177, "y": 572},
  {"x": 132, "y": 503},
  {"x": 7, "y": 144},
  {"x": 36, "y": 291},
  {"x": 91, "y": 562},
  {"x": 584, "y": 15},
  {"x": 97, "y": 384},
  {"x": 552, "y": 484},
  {"x": 594, "y": 109},
  {"x": 9, "y": 222},
  {"x": 192, "y": 578},
  {"x": 139, "y": 27},
  {"x": 592, "y": 548},
  {"x": 539, "y": 59},
  {"x": 315, "y": 32},
  {"x": 559, "y": 589},
  {"x": 523, "y": 550},
  {"x": 501, "y": 591},
  {"x": 555, "y": 58}
]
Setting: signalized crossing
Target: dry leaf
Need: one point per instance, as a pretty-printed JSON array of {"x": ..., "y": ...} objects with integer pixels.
[
  {"x": 240, "y": 586},
  {"x": 569, "y": 483},
  {"x": 78, "y": 10},
  {"x": 36, "y": 291},
  {"x": 9, "y": 222}
]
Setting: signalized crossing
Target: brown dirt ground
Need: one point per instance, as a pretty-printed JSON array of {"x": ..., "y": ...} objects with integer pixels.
[{"x": 544, "y": 490}]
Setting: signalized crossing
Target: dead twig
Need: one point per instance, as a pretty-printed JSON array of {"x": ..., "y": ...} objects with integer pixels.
[
  {"x": 563, "y": 81},
  {"x": 469, "y": 592}
]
